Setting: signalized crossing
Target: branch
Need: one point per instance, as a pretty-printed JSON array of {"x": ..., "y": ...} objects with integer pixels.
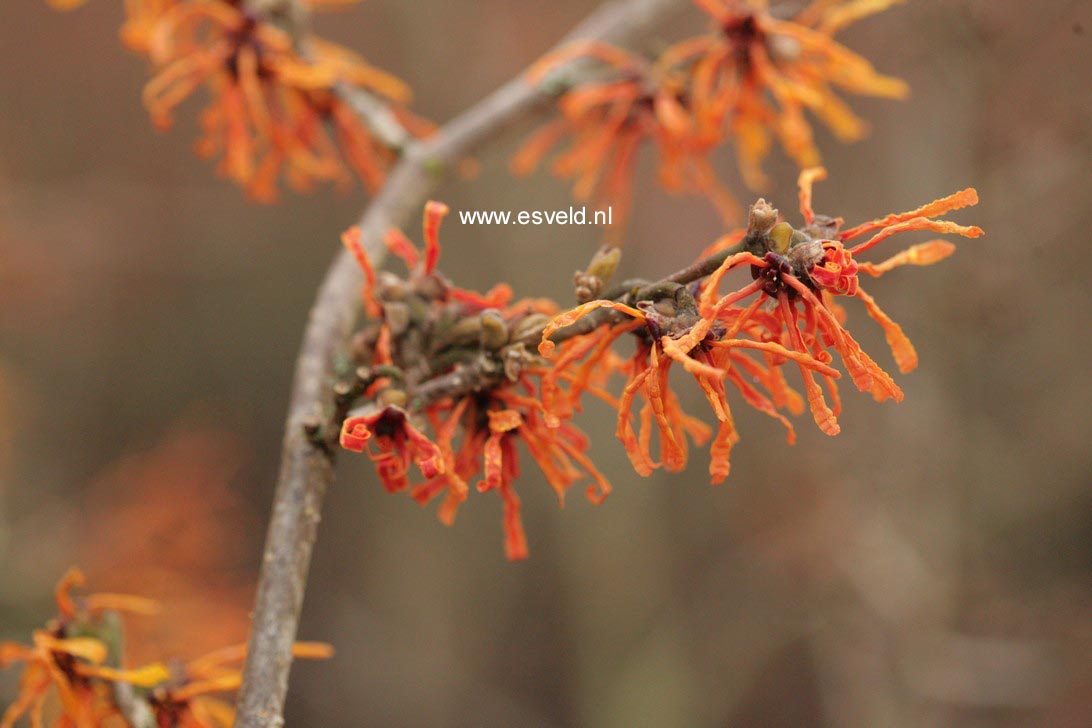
[
  {"x": 483, "y": 373},
  {"x": 306, "y": 470}
]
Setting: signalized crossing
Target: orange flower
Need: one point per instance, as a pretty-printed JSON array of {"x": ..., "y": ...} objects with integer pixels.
[
  {"x": 802, "y": 270},
  {"x": 392, "y": 443},
  {"x": 455, "y": 362},
  {"x": 708, "y": 343},
  {"x": 141, "y": 20},
  {"x": 716, "y": 338},
  {"x": 608, "y": 120},
  {"x": 489, "y": 446},
  {"x": 184, "y": 695},
  {"x": 273, "y": 113},
  {"x": 72, "y": 658},
  {"x": 64, "y": 655},
  {"x": 757, "y": 75},
  {"x": 65, "y": 4}
]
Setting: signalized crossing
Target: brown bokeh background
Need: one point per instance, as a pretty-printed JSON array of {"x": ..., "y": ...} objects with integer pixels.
[{"x": 929, "y": 567}]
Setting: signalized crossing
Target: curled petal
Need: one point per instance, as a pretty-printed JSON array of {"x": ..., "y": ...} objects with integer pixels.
[
  {"x": 636, "y": 450},
  {"x": 836, "y": 271},
  {"x": 356, "y": 432},
  {"x": 720, "y": 452},
  {"x": 493, "y": 463},
  {"x": 546, "y": 347},
  {"x": 428, "y": 456}
]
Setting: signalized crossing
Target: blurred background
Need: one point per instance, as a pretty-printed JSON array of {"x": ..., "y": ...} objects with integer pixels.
[{"x": 929, "y": 567}]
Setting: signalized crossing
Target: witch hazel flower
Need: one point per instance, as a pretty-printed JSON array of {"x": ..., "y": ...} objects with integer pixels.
[
  {"x": 786, "y": 315},
  {"x": 608, "y": 117},
  {"x": 448, "y": 386}
]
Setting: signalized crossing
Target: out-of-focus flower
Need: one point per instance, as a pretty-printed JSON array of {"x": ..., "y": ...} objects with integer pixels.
[
  {"x": 65, "y": 4},
  {"x": 189, "y": 695},
  {"x": 750, "y": 80},
  {"x": 456, "y": 363},
  {"x": 273, "y": 113},
  {"x": 791, "y": 317},
  {"x": 757, "y": 75},
  {"x": 59, "y": 662},
  {"x": 608, "y": 119},
  {"x": 166, "y": 522},
  {"x": 276, "y": 108},
  {"x": 73, "y": 665}
]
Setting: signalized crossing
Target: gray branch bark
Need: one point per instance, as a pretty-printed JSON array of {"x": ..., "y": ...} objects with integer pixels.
[{"x": 307, "y": 470}]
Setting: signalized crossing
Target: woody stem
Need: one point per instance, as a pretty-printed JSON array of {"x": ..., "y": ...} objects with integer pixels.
[
  {"x": 627, "y": 294},
  {"x": 480, "y": 374},
  {"x": 307, "y": 469}
]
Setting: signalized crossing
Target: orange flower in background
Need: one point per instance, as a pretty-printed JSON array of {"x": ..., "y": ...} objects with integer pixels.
[
  {"x": 71, "y": 670},
  {"x": 167, "y": 522},
  {"x": 63, "y": 656},
  {"x": 273, "y": 113},
  {"x": 791, "y": 318},
  {"x": 457, "y": 363},
  {"x": 750, "y": 80},
  {"x": 142, "y": 17},
  {"x": 757, "y": 75},
  {"x": 608, "y": 120}
]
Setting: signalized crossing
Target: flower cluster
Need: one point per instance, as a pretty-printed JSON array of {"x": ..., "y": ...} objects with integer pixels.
[
  {"x": 786, "y": 313},
  {"x": 751, "y": 79},
  {"x": 607, "y": 120},
  {"x": 277, "y": 106},
  {"x": 73, "y": 671},
  {"x": 439, "y": 364},
  {"x": 461, "y": 364}
]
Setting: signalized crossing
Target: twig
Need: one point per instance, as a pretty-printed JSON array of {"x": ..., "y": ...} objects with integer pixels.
[
  {"x": 483, "y": 373},
  {"x": 134, "y": 708},
  {"x": 307, "y": 470}
]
